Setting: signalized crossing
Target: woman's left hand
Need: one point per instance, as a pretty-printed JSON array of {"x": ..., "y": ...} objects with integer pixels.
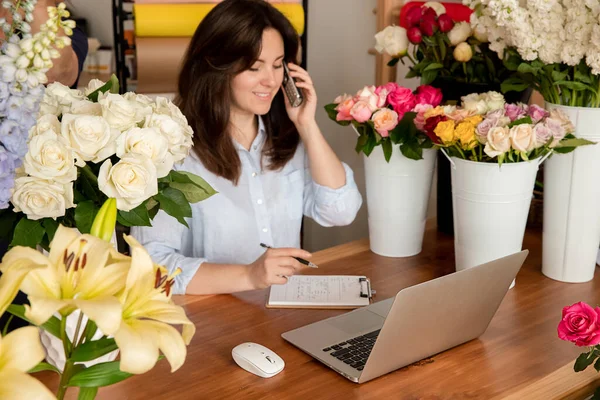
[{"x": 304, "y": 114}]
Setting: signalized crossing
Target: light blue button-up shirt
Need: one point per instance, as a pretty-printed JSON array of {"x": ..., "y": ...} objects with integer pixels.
[{"x": 265, "y": 207}]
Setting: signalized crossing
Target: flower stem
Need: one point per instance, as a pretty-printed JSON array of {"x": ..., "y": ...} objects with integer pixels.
[
  {"x": 64, "y": 380},
  {"x": 87, "y": 171},
  {"x": 63, "y": 335},
  {"x": 76, "y": 336}
]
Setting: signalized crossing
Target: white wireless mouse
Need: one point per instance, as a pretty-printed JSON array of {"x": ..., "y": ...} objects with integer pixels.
[{"x": 257, "y": 359}]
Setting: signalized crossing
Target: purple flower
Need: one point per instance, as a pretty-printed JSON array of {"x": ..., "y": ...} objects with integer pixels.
[
  {"x": 13, "y": 137},
  {"x": 537, "y": 113},
  {"x": 495, "y": 115},
  {"x": 484, "y": 127},
  {"x": 7, "y": 163},
  {"x": 515, "y": 111},
  {"x": 6, "y": 185}
]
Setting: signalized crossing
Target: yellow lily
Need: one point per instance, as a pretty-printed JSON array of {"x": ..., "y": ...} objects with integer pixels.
[
  {"x": 147, "y": 313},
  {"x": 81, "y": 271},
  {"x": 20, "y": 351}
]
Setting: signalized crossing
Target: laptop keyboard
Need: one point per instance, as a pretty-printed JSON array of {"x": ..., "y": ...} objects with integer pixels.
[{"x": 354, "y": 352}]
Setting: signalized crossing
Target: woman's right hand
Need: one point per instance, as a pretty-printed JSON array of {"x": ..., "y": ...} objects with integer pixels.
[{"x": 275, "y": 265}]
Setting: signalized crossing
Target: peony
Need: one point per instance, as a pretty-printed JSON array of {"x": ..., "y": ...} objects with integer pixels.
[
  {"x": 580, "y": 324},
  {"x": 131, "y": 181},
  {"x": 460, "y": 33},
  {"x": 50, "y": 158},
  {"x": 522, "y": 138},
  {"x": 498, "y": 142},
  {"x": 463, "y": 52},
  {"x": 392, "y": 40},
  {"x": 90, "y": 137},
  {"x": 384, "y": 121},
  {"x": 39, "y": 198},
  {"x": 436, "y": 6},
  {"x": 150, "y": 143}
]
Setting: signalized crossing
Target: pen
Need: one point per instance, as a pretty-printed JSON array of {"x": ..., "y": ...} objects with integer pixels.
[{"x": 300, "y": 260}]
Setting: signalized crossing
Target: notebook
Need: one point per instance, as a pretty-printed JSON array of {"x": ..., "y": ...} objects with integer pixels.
[{"x": 321, "y": 291}]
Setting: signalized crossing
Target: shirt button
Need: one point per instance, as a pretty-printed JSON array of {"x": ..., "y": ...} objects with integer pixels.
[
  {"x": 259, "y": 201},
  {"x": 265, "y": 230},
  {"x": 254, "y": 174},
  {"x": 255, "y": 147}
]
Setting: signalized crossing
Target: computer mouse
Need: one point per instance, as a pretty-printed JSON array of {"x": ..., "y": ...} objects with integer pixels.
[{"x": 257, "y": 359}]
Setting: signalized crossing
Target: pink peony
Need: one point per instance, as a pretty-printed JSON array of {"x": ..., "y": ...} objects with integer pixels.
[
  {"x": 580, "y": 324},
  {"x": 402, "y": 100},
  {"x": 361, "y": 111},
  {"x": 343, "y": 109},
  {"x": 537, "y": 113},
  {"x": 515, "y": 111},
  {"x": 384, "y": 121},
  {"x": 429, "y": 95}
]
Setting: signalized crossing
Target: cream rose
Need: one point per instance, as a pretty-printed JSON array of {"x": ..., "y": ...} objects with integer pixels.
[
  {"x": 45, "y": 123},
  {"x": 460, "y": 33},
  {"x": 39, "y": 198},
  {"x": 179, "y": 136},
  {"x": 139, "y": 98},
  {"x": 150, "y": 143},
  {"x": 122, "y": 114},
  {"x": 478, "y": 107},
  {"x": 384, "y": 121},
  {"x": 463, "y": 52},
  {"x": 58, "y": 98},
  {"x": 90, "y": 137},
  {"x": 494, "y": 100},
  {"x": 522, "y": 138},
  {"x": 131, "y": 181},
  {"x": 164, "y": 106},
  {"x": 392, "y": 40},
  {"x": 93, "y": 85},
  {"x": 498, "y": 142},
  {"x": 50, "y": 158},
  {"x": 85, "y": 107}
]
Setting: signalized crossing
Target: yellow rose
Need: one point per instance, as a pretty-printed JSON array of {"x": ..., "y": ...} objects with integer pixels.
[
  {"x": 465, "y": 131},
  {"x": 445, "y": 131},
  {"x": 475, "y": 119},
  {"x": 434, "y": 112}
]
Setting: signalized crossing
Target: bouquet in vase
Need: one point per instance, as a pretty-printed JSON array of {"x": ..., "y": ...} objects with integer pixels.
[{"x": 385, "y": 116}]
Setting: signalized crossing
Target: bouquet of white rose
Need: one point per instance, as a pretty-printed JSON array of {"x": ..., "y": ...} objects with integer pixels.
[{"x": 87, "y": 147}]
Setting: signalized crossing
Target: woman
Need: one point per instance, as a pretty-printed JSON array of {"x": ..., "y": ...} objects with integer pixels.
[{"x": 269, "y": 162}]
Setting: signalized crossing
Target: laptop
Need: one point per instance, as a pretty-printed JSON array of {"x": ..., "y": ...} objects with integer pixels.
[{"x": 372, "y": 341}]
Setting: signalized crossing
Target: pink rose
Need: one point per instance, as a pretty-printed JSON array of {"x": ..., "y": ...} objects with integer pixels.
[
  {"x": 402, "y": 100},
  {"x": 419, "y": 120},
  {"x": 580, "y": 325},
  {"x": 557, "y": 129},
  {"x": 429, "y": 95},
  {"x": 374, "y": 100},
  {"x": 495, "y": 115},
  {"x": 483, "y": 129},
  {"x": 388, "y": 87},
  {"x": 459, "y": 114},
  {"x": 384, "y": 121},
  {"x": 514, "y": 111},
  {"x": 361, "y": 111},
  {"x": 542, "y": 133},
  {"x": 341, "y": 98},
  {"x": 343, "y": 110},
  {"x": 537, "y": 113}
]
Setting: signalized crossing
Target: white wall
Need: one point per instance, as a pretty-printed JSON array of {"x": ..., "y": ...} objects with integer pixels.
[{"x": 98, "y": 14}]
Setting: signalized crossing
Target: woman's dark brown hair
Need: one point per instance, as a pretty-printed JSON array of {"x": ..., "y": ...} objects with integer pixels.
[{"x": 227, "y": 42}]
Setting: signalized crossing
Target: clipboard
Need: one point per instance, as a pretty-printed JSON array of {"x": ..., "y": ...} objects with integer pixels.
[{"x": 322, "y": 292}]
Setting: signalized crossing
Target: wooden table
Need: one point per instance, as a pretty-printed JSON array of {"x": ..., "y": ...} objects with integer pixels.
[{"x": 519, "y": 355}]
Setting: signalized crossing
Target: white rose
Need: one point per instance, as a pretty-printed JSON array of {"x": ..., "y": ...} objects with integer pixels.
[
  {"x": 50, "y": 106},
  {"x": 48, "y": 122},
  {"x": 164, "y": 106},
  {"x": 39, "y": 198},
  {"x": 150, "y": 143},
  {"x": 479, "y": 107},
  {"x": 63, "y": 95},
  {"x": 494, "y": 100},
  {"x": 122, "y": 114},
  {"x": 179, "y": 136},
  {"x": 522, "y": 138},
  {"x": 498, "y": 142},
  {"x": 392, "y": 40},
  {"x": 463, "y": 52},
  {"x": 437, "y": 7},
  {"x": 131, "y": 181},
  {"x": 460, "y": 33},
  {"x": 139, "y": 98},
  {"x": 85, "y": 107},
  {"x": 93, "y": 85},
  {"x": 49, "y": 158},
  {"x": 90, "y": 137}
]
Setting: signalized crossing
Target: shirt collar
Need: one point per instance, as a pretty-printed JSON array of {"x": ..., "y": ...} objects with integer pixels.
[{"x": 258, "y": 141}]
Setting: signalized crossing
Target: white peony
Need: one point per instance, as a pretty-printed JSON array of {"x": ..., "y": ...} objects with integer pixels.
[
  {"x": 392, "y": 40},
  {"x": 438, "y": 7},
  {"x": 150, "y": 143},
  {"x": 39, "y": 198},
  {"x": 48, "y": 122},
  {"x": 179, "y": 136},
  {"x": 131, "y": 181},
  {"x": 90, "y": 137},
  {"x": 120, "y": 113},
  {"x": 460, "y": 33},
  {"x": 50, "y": 158},
  {"x": 463, "y": 52}
]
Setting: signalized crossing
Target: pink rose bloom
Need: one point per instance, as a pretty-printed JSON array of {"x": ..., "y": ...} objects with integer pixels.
[
  {"x": 402, "y": 100},
  {"x": 495, "y": 115},
  {"x": 514, "y": 111},
  {"x": 429, "y": 95},
  {"x": 459, "y": 114},
  {"x": 580, "y": 325},
  {"x": 361, "y": 111},
  {"x": 484, "y": 128},
  {"x": 374, "y": 100},
  {"x": 537, "y": 113},
  {"x": 388, "y": 88},
  {"x": 384, "y": 121},
  {"x": 343, "y": 110},
  {"x": 542, "y": 133},
  {"x": 419, "y": 120},
  {"x": 342, "y": 98},
  {"x": 557, "y": 129}
]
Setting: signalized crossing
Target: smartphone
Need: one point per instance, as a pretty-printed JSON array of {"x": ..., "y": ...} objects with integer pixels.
[{"x": 292, "y": 92}]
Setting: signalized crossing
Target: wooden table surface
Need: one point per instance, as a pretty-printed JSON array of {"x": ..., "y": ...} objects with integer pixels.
[{"x": 519, "y": 351}]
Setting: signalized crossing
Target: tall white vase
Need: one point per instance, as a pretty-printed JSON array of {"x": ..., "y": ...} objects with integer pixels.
[
  {"x": 397, "y": 199},
  {"x": 572, "y": 203},
  {"x": 490, "y": 204}
]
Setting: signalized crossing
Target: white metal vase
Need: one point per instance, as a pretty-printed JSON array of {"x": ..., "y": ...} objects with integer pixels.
[
  {"x": 397, "y": 200},
  {"x": 490, "y": 205},
  {"x": 572, "y": 203}
]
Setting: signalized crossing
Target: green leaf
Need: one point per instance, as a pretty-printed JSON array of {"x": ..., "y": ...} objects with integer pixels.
[
  {"x": 174, "y": 203},
  {"x": 412, "y": 150},
  {"x": 405, "y": 129},
  {"x": 331, "y": 112},
  {"x": 52, "y": 326},
  {"x": 512, "y": 62},
  {"x": 89, "y": 188},
  {"x": 387, "y": 149},
  {"x": 361, "y": 142},
  {"x": 7, "y": 222},
  {"x": 192, "y": 193},
  {"x": 428, "y": 77},
  {"x": 112, "y": 85},
  {"x": 442, "y": 45},
  {"x": 585, "y": 360},
  {"x": 513, "y": 84},
  {"x": 44, "y": 367},
  {"x": 87, "y": 393},
  {"x": 370, "y": 145},
  {"x": 558, "y": 75},
  {"x": 50, "y": 225},
  {"x": 188, "y": 177},
  {"x": 525, "y": 68},
  {"x": 393, "y": 62},
  {"x": 597, "y": 365},
  {"x": 137, "y": 217},
  {"x": 573, "y": 143},
  {"x": 576, "y": 86},
  {"x": 412, "y": 73},
  {"x": 84, "y": 215},
  {"x": 521, "y": 121},
  {"x": 433, "y": 66},
  {"x": 94, "y": 349},
  {"x": 103, "y": 374},
  {"x": 28, "y": 233},
  {"x": 90, "y": 330}
]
